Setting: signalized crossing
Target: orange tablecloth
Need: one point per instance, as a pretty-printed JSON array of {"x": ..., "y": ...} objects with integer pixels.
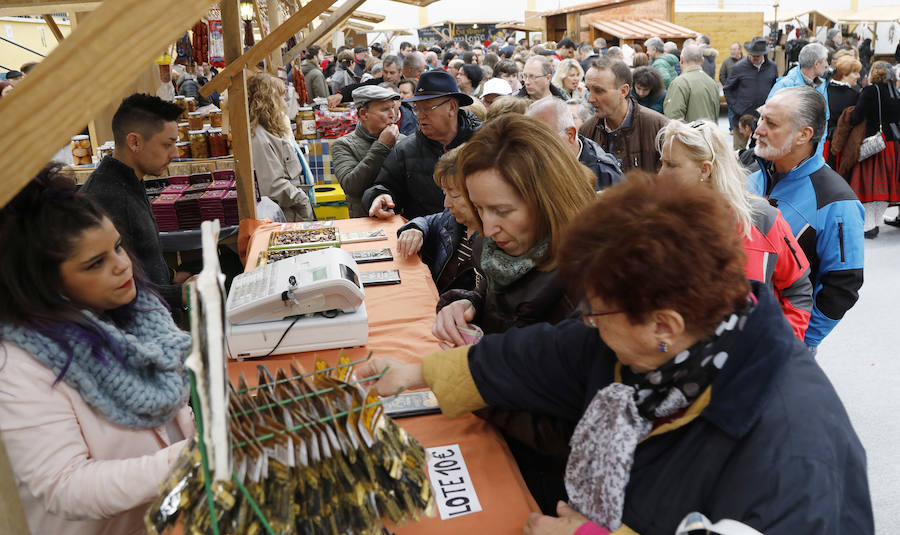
[{"x": 400, "y": 321}]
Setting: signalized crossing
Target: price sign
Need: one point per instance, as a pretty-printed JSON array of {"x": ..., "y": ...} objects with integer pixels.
[{"x": 453, "y": 488}]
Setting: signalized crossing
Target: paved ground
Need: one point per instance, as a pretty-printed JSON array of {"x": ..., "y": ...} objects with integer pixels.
[{"x": 861, "y": 358}]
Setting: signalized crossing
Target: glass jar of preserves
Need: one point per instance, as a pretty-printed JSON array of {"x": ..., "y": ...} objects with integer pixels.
[
  {"x": 199, "y": 144},
  {"x": 183, "y": 129},
  {"x": 215, "y": 119},
  {"x": 191, "y": 104},
  {"x": 217, "y": 145},
  {"x": 306, "y": 123},
  {"x": 180, "y": 102},
  {"x": 184, "y": 149},
  {"x": 81, "y": 150},
  {"x": 106, "y": 149},
  {"x": 195, "y": 120}
]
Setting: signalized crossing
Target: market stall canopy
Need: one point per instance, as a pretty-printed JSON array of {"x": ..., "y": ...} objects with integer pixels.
[
  {"x": 520, "y": 26},
  {"x": 788, "y": 15},
  {"x": 584, "y": 7},
  {"x": 871, "y": 14},
  {"x": 641, "y": 28},
  {"x": 16, "y": 8}
]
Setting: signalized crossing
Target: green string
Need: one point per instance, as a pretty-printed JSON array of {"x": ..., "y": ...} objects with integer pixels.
[
  {"x": 310, "y": 374},
  {"x": 320, "y": 420},
  {"x": 305, "y": 396},
  {"x": 195, "y": 399}
]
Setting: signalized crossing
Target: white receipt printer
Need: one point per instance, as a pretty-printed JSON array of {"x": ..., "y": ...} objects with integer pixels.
[{"x": 321, "y": 287}]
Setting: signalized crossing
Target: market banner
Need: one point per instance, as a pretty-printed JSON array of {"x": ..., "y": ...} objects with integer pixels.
[
  {"x": 471, "y": 33},
  {"x": 216, "y": 44}
]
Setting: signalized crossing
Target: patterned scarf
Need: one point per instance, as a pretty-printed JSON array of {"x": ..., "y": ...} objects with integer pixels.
[
  {"x": 621, "y": 414},
  {"x": 146, "y": 390},
  {"x": 504, "y": 269}
]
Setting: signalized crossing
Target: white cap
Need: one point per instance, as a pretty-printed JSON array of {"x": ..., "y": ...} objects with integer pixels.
[{"x": 496, "y": 86}]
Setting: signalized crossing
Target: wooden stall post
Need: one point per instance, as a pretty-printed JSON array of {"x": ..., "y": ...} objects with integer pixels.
[
  {"x": 273, "y": 10},
  {"x": 238, "y": 114},
  {"x": 53, "y": 28},
  {"x": 12, "y": 516}
]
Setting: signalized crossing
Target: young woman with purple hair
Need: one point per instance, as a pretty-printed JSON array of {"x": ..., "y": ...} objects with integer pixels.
[{"x": 93, "y": 392}]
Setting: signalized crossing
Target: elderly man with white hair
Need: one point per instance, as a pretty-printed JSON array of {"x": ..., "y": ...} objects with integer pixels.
[
  {"x": 810, "y": 71},
  {"x": 693, "y": 95},
  {"x": 661, "y": 60},
  {"x": 556, "y": 114},
  {"x": 818, "y": 204}
]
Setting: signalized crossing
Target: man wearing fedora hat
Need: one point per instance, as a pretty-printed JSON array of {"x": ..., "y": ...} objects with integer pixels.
[
  {"x": 405, "y": 183},
  {"x": 749, "y": 83},
  {"x": 357, "y": 157}
]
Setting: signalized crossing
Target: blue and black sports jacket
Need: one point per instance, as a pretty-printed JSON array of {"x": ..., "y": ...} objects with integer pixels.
[{"x": 827, "y": 220}]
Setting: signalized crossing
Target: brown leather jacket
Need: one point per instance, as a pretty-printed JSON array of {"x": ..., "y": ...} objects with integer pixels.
[
  {"x": 846, "y": 141},
  {"x": 634, "y": 146}
]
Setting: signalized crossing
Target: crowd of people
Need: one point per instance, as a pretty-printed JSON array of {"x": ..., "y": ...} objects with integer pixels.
[{"x": 652, "y": 293}]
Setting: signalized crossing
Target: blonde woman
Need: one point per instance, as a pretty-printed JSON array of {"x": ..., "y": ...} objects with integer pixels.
[
  {"x": 701, "y": 151},
  {"x": 569, "y": 77},
  {"x": 276, "y": 158}
]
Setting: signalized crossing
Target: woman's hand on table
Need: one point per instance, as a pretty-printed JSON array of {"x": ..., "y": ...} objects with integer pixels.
[
  {"x": 567, "y": 523},
  {"x": 410, "y": 241},
  {"x": 398, "y": 377},
  {"x": 456, "y": 314}
]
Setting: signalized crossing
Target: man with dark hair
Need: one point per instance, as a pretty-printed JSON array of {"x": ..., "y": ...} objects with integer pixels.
[
  {"x": 565, "y": 48},
  {"x": 145, "y": 132},
  {"x": 822, "y": 210},
  {"x": 405, "y": 48},
  {"x": 390, "y": 72},
  {"x": 405, "y": 183},
  {"x": 749, "y": 82},
  {"x": 621, "y": 126},
  {"x": 509, "y": 71}
]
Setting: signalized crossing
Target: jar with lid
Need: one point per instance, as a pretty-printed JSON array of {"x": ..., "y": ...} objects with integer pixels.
[
  {"x": 180, "y": 102},
  {"x": 215, "y": 119},
  {"x": 184, "y": 149},
  {"x": 217, "y": 145},
  {"x": 306, "y": 123},
  {"x": 195, "y": 120},
  {"x": 199, "y": 144},
  {"x": 183, "y": 129},
  {"x": 81, "y": 150},
  {"x": 106, "y": 149},
  {"x": 191, "y": 104}
]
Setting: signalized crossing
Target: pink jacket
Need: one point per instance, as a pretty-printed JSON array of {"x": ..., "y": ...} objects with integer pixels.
[{"x": 77, "y": 472}]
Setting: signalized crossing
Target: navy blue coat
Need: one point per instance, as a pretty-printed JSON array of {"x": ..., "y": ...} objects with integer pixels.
[
  {"x": 442, "y": 234},
  {"x": 748, "y": 87},
  {"x": 772, "y": 447},
  {"x": 604, "y": 165}
]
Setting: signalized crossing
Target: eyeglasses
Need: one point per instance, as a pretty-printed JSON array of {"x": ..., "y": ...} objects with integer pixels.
[
  {"x": 533, "y": 77},
  {"x": 589, "y": 316},
  {"x": 428, "y": 109}
]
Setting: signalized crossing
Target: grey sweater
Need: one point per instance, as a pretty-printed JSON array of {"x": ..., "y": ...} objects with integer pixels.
[{"x": 356, "y": 160}]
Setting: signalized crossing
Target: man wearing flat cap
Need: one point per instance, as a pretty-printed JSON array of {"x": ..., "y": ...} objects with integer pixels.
[
  {"x": 360, "y": 55},
  {"x": 749, "y": 82},
  {"x": 358, "y": 156},
  {"x": 405, "y": 183}
]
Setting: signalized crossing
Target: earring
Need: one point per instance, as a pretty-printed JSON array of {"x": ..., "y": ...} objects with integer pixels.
[{"x": 663, "y": 347}]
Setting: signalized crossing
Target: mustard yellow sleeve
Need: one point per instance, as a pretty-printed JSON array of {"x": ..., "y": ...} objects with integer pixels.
[{"x": 447, "y": 373}]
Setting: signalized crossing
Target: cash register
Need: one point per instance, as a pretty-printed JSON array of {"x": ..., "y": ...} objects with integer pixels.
[{"x": 307, "y": 302}]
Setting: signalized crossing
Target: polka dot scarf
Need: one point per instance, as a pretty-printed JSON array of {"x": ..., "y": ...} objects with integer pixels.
[{"x": 621, "y": 414}]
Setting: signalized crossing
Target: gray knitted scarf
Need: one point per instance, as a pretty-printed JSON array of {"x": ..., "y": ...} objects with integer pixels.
[
  {"x": 504, "y": 269},
  {"x": 146, "y": 390}
]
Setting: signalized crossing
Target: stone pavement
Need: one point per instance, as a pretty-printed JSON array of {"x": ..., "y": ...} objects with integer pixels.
[{"x": 862, "y": 359}]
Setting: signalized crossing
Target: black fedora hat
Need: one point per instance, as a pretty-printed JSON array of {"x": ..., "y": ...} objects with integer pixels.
[
  {"x": 437, "y": 83},
  {"x": 757, "y": 47}
]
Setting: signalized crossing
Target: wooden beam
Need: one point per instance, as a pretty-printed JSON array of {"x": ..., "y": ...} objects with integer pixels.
[
  {"x": 42, "y": 105},
  {"x": 327, "y": 27},
  {"x": 273, "y": 13},
  {"x": 16, "y": 8},
  {"x": 362, "y": 15},
  {"x": 54, "y": 29},
  {"x": 238, "y": 112},
  {"x": 267, "y": 44}
]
